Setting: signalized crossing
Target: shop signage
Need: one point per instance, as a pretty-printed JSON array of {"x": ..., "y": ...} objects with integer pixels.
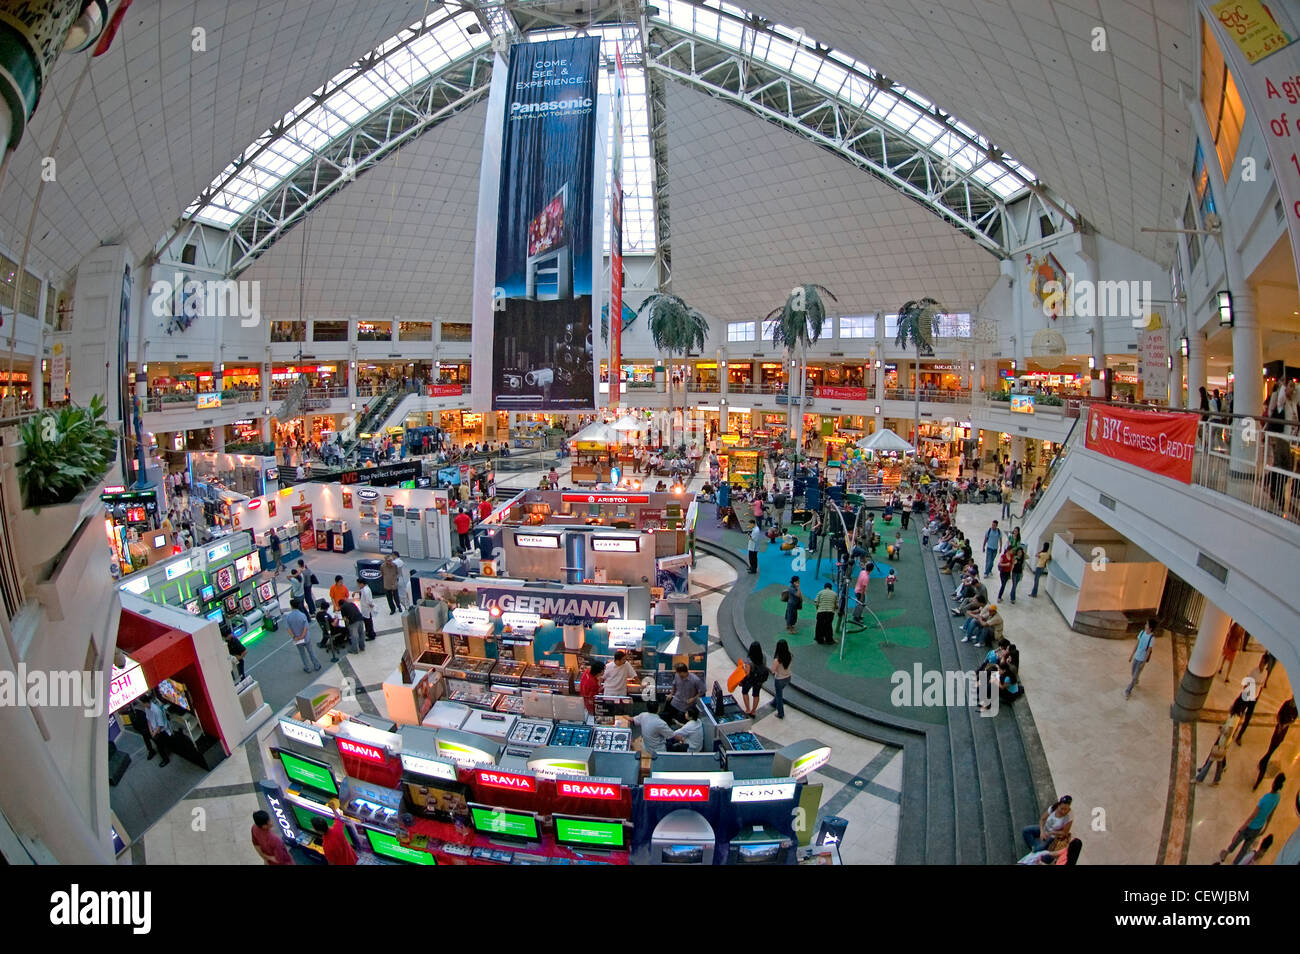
[
  {"x": 1249, "y": 25},
  {"x": 675, "y": 792},
  {"x": 549, "y": 768},
  {"x": 625, "y": 633},
  {"x": 209, "y": 400},
  {"x": 445, "y": 390},
  {"x": 463, "y": 755},
  {"x": 1022, "y": 403},
  {"x": 674, "y": 562},
  {"x": 367, "y": 753},
  {"x": 178, "y": 568},
  {"x": 115, "y": 489},
  {"x": 810, "y": 761},
  {"x": 507, "y": 780},
  {"x": 569, "y": 606},
  {"x": 590, "y": 788},
  {"x": 537, "y": 541},
  {"x": 471, "y": 617},
  {"x": 528, "y": 621},
  {"x": 127, "y": 684},
  {"x": 768, "y": 790},
  {"x": 840, "y": 393},
  {"x": 302, "y": 732},
  {"x": 281, "y": 818},
  {"x": 605, "y": 498},
  {"x": 254, "y": 504},
  {"x": 139, "y": 585},
  {"x": 1159, "y": 442},
  {"x": 428, "y": 766},
  {"x": 219, "y": 551},
  {"x": 366, "y": 494},
  {"x": 615, "y": 545}
]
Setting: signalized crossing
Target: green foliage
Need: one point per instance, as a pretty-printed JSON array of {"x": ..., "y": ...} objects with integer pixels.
[
  {"x": 675, "y": 326},
  {"x": 64, "y": 452},
  {"x": 799, "y": 320},
  {"x": 916, "y": 325}
]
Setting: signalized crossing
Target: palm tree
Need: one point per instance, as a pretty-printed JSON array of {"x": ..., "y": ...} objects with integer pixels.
[
  {"x": 675, "y": 328},
  {"x": 798, "y": 323},
  {"x": 917, "y": 321}
]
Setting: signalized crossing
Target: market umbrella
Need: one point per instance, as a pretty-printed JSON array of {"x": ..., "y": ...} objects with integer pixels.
[
  {"x": 596, "y": 433},
  {"x": 628, "y": 423},
  {"x": 885, "y": 440}
]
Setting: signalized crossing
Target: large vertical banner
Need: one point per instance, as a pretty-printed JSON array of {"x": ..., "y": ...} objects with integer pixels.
[
  {"x": 1260, "y": 48},
  {"x": 547, "y": 261},
  {"x": 616, "y": 237}
]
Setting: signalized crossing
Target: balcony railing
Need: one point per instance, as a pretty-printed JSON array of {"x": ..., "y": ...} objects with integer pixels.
[
  {"x": 1262, "y": 471},
  {"x": 931, "y": 395}
]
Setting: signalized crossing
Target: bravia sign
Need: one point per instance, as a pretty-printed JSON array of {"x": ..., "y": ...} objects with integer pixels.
[
  {"x": 367, "y": 753},
  {"x": 588, "y": 788},
  {"x": 1160, "y": 442},
  {"x": 675, "y": 792},
  {"x": 507, "y": 780}
]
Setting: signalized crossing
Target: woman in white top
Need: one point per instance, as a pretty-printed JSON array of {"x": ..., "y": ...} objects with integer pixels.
[{"x": 1054, "y": 825}]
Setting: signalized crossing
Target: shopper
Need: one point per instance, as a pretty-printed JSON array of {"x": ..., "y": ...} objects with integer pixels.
[
  {"x": 825, "y": 603},
  {"x": 1218, "y": 755},
  {"x": 781, "y": 662},
  {"x": 296, "y": 622},
  {"x": 366, "y": 603},
  {"x": 335, "y": 840},
  {"x": 237, "y": 653},
  {"x": 463, "y": 524},
  {"x": 328, "y": 630},
  {"x": 1040, "y": 565},
  {"x": 860, "y": 590},
  {"x": 269, "y": 846},
  {"x": 338, "y": 591},
  {"x": 655, "y": 732},
  {"x": 1232, "y": 644},
  {"x": 296, "y": 589},
  {"x": 992, "y": 543},
  {"x": 1286, "y": 717},
  {"x": 308, "y": 580},
  {"x": 686, "y": 692},
  {"x": 1244, "y": 704},
  {"x": 618, "y": 675},
  {"x": 1055, "y": 823},
  {"x": 689, "y": 736},
  {"x": 1256, "y": 855},
  {"x": 589, "y": 687},
  {"x": 1005, "y": 563},
  {"x": 404, "y": 598},
  {"x": 389, "y": 574},
  {"x": 755, "y": 535},
  {"x": 140, "y": 722},
  {"x": 273, "y": 541},
  {"x": 1018, "y": 555},
  {"x": 793, "y": 597},
  {"x": 355, "y": 624},
  {"x": 756, "y": 673},
  {"x": 159, "y": 728},
  {"x": 1254, "y": 826},
  {"x": 1141, "y": 653}
]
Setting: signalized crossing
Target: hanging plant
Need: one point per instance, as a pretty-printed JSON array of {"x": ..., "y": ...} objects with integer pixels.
[{"x": 64, "y": 452}]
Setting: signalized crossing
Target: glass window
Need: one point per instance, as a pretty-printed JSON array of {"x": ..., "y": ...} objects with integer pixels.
[
  {"x": 415, "y": 331},
  {"x": 891, "y": 327},
  {"x": 329, "y": 331},
  {"x": 1201, "y": 182},
  {"x": 769, "y": 329},
  {"x": 828, "y": 328},
  {"x": 740, "y": 331},
  {"x": 456, "y": 331},
  {"x": 1193, "y": 240},
  {"x": 857, "y": 326},
  {"x": 374, "y": 330},
  {"x": 1224, "y": 110},
  {"x": 288, "y": 330}
]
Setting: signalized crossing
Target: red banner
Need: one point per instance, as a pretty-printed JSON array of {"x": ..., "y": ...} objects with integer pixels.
[
  {"x": 840, "y": 394},
  {"x": 445, "y": 390},
  {"x": 605, "y": 498},
  {"x": 1159, "y": 442}
]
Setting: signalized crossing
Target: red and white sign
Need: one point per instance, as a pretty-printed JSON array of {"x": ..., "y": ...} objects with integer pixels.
[
  {"x": 840, "y": 393},
  {"x": 1160, "y": 442},
  {"x": 508, "y": 780},
  {"x": 675, "y": 792},
  {"x": 367, "y": 753},
  {"x": 254, "y": 504},
  {"x": 445, "y": 390},
  {"x": 605, "y": 498},
  {"x": 604, "y": 791}
]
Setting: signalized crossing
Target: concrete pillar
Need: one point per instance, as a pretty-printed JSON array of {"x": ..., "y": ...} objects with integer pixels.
[
  {"x": 1195, "y": 368},
  {"x": 1017, "y": 448},
  {"x": 1091, "y": 271},
  {"x": 219, "y": 438},
  {"x": 1202, "y": 665}
]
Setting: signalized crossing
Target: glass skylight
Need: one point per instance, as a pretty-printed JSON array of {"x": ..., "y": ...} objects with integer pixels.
[{"x": 840, "y": 75}]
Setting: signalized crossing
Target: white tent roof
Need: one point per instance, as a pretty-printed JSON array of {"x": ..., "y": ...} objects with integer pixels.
[
  {"x": 628, "y": 423},
  {"x": 597, "y": 433},
  {"x": 885, "y": 440}
]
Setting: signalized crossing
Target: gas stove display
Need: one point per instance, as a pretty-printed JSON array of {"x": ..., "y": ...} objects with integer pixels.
[
  {"x": 744, "y": 742},
  {"x": 527, "y": 732},
  {"x": 612, "y": 740},
  {"x": 572, "y": 734}
]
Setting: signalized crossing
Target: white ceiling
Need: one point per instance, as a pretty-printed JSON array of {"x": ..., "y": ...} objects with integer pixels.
[
  {"x": 756, "y": 210},
  {"x": 155, "y": 121},
  {"x": 1107, "y": 131}
]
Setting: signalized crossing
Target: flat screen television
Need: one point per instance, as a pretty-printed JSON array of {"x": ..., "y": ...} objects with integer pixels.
[
  {"x": 681, "y": 855},
  {"x": 304, "y": 818},
  {"x": 445, "y": 801},
  {"x": 159, "y": 540},
  {"x": 577, "y": 832},
  {"x": 225, "y": 578},
  {"x": 192, "y": 607},
  {"x": 752, "y": 764},
  {"x": 314, "y": 775},
  {"x": 502, "y": 823},
  {"x": 247, "y": 603},
  {"x": 208, "y": 593},
  {"x": 232, "y": 603},
  {"x": 757, "y": 853},
  {"x": 217, "y": 615},
  {"x": 266, "y": 591},
  {"x": 248, "y": 565},
  {"x": 546, "y": 230},
  {"x": 174, "y": 692},
  {"x": 386, "y": 845}
]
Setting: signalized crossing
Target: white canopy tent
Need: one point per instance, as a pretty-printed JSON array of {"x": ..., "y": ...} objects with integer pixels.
[
  {"x": 885, "y": 440},
  {"x": 597, "y": 433}
]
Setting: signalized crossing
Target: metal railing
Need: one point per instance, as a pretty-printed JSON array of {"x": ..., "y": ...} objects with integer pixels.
[
  {"x": 931, "y": 395},
  {"x": 1262, "y": 470}
]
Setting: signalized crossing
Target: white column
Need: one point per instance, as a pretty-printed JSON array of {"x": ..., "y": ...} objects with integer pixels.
[
  {"x": 1091, "y": 273},
  {"x": 1202, "y": 664}
]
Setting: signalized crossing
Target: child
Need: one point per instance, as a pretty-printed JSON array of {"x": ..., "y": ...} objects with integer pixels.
[{"x": 890, "y": 581}]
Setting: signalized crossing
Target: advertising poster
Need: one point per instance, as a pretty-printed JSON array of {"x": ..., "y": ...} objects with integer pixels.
[
  {"x": 616, "y": 236},
  {"x": 1157, "y": 442},
  {"x": 543, "y": 357}
]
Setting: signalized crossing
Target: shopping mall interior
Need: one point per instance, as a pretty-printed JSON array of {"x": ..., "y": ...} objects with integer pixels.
[{"x": 907, "y": 473}]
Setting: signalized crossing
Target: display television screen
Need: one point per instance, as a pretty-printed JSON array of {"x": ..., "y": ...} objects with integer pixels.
[
  {"x": 247, "y": 604},
  {"x": 589, "y": 832},
  {"x": 682, "y": 855},
  {"x": 498, "y": 821},
  {"x": 314, "y": 775},
  {"x": 305, "y": 815},
  {"x": 217, "y": 615},
  {"x": 382, "y": 843},
  {"x": 266, "y": 591},
  {"x": 248, "y": 565},
  {"x": 174, "y": 692},
  {"x": 208, "y": 593},
  {"x": 546, "y": 230},
  {"x": 225, "y": 579}
]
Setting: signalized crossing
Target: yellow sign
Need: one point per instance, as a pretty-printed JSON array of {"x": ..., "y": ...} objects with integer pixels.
[{"x": 1251, "y": 27}]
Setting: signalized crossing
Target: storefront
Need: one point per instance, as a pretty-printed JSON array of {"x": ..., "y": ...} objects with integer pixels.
[
  {"x": 740, "y": 375},
  {"x": 772, "y": 376},
  {"x": 246, "y": 474},
  {"x": 131, "y": 522},
  {"x": 16, "y": 386},
  {"x": 316, "y": 376}
]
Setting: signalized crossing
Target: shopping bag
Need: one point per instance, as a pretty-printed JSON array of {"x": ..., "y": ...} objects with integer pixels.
[{"x": 736, "y": 678}]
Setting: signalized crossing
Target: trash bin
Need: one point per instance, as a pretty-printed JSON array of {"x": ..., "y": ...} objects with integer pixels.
[
  {"x": 831, "y": 830},
  {"x": 371, "y": 573}
]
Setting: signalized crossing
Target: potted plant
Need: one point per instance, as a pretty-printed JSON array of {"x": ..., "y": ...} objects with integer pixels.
[
  {"x": 795, "y": 325},
  {"x": 675, "y": 328},
  {"x": 917, "y": 323}
]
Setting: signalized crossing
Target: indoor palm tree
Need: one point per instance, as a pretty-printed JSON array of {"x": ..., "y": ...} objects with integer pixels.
[
  {"x": 675, "y": 328},
  {"x": 917, "y": 321},
  {"x": 797, "y": 324}
]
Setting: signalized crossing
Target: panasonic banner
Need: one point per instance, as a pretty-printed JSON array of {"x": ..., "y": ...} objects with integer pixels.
[{"x": 538, "y": 262}]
